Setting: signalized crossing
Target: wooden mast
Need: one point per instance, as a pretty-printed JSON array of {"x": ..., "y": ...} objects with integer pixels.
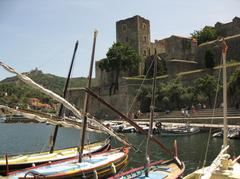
[
  {"x": 152, "y": 106},
  {"x": 86, "y": 101},
  {"x": 60, "y": 112},
  {"x": 225, "y": 128}
]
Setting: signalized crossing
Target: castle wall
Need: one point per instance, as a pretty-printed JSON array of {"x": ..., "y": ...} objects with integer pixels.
[
  {"x": 103, "y": 78},
  {"x": 176, "y": 66},
  {"x": 126, "y": 96},
  {"x": 228, "y": 29},
  {"x": 233, "y": 43}
]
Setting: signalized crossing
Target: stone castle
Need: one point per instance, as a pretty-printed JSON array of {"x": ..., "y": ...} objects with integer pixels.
[{"x": 181, "y": 54}]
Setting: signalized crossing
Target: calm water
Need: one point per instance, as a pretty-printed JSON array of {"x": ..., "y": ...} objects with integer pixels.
[{"x": 19, "y": 138}]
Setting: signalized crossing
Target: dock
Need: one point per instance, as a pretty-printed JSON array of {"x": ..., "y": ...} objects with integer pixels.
[{"x": 203, "y": 118}]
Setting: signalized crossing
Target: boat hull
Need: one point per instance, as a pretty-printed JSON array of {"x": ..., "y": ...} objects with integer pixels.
[
  {"x": 184, "y": 132},
  {"x": 101, "y": 165},
  {"x": 24, "y": 163},
  {"x": 171, "y": 169}
]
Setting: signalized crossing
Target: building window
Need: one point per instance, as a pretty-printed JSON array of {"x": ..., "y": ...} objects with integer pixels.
[
  {"x": 124, "y": 27},
  {"x": 145, "y": 39},
  {"x": 126, "y": 39},
  {"x": 144, "y": 26}
]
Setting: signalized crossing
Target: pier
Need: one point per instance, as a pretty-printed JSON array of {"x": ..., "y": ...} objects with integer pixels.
[{"x": 203, "y": 118}]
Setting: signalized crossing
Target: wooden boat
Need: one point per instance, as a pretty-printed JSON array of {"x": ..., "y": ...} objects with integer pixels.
[
  {"x": 23, "y": 161},
  {"x": 169, "y": 169},
  {"x": 223, "y": 167},
  {"x": 179, "y": 131},
  {"x": 157, "y": 170},
  {"x": 99, "y": 165},
  {"x": 11, "y": 163}
]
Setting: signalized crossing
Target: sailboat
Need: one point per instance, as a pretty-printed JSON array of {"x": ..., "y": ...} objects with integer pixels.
[
  {"x": 223, "y": 167},
  {"x": 159, "y": 169},
  {"x": 94, "y": 165},
  {"x": 16, "y": 162},
  {"x": 100, "y": 165}
]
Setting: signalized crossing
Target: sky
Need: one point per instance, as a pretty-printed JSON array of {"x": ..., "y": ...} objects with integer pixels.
[{"x": 42, "y": 33}]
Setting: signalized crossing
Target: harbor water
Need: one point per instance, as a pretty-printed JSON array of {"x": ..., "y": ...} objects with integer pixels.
[{"x": 20, "y": 138}]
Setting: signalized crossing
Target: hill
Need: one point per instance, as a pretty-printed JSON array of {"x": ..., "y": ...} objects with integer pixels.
[
  {"x": 49, "y": 81},
  {"x": 14, "y": 92}
]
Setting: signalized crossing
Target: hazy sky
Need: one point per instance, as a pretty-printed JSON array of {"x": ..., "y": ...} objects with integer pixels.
[{"x": 42, "y": 33}]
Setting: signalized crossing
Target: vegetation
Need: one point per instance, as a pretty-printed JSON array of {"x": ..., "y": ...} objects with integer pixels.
[
  {"x": 120, "y": 58},
  {"x": 209, "y": 59},
  {"x": 149, "y": 67},
  {"x": 52, "y": 82},
  {"x": 13, "y": 92},
  {"x": 205, "y": 89},
  {"x": 174, "y": 96},
  {"x": 12, "y": 95},
  {"x": 234, "y": 88},
  {"x": 205, "y": 35}
]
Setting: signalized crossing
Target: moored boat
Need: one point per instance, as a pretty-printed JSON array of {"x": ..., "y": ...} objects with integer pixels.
[
  {"x": 223, "y": 167},
  {"x": 27, "y": 160},
  {"x": 168, "y": 169},
  {"x": 157, "y": 170},
  {"x": 179, "y": 131},
  {"x": 99, "y": 165}
]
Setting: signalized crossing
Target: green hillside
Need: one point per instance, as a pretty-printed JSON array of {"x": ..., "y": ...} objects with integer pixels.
[
  {"x": 14, "y": 92},
  {"x": 49, "y": 81}
]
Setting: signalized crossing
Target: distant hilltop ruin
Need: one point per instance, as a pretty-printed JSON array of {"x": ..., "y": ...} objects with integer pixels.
[{"x": 180, "y": 53}]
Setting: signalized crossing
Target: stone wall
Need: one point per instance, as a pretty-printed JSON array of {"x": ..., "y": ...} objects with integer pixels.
[
  {"x": 103, "y": 78},
  {"x": 135, "y": 31},
  {"x": 233, "y": 43},
  {"x": 128, "y": 89},
  {"x": 176, "y": 66},
  {"x": 228, "y": 29},
  {"x": 122, "y": 101}
]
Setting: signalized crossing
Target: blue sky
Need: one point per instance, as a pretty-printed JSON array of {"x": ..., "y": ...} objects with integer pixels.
[{"x": 42, "y": 33}]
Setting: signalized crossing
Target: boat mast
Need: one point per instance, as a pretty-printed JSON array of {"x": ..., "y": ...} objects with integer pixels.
[
  {"x": 60, "y": 112},
  {"x": 86, "y": 101},
  {"x": 225, "y": 128},
  {"x": 151, "y": 113}
]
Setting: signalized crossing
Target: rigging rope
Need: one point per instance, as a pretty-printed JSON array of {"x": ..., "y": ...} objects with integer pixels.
[
  {"x": 138, "y": 91},
  {"x": 214, "y": 107},
  {"x": 58, "y": 98}
]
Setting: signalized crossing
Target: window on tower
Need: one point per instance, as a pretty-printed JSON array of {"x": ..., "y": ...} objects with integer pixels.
[
  {"x": 144, "y": 26},
  {"x": 124, "y": 27},
  {"x": 145, "y": 39}
]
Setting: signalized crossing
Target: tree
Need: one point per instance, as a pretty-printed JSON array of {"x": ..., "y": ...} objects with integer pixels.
[
  {"x": 206, "y": 88},
  {"x": 120, "y": 58},
  {"x": 149, "y": 67},
  {"x": 205, "y": 35},
  {"x": 209, "y": 59},
  {"x": 171, "y": 93},
  {"x": 234, "y": 88},
  {"x": 144, "y": 97}
]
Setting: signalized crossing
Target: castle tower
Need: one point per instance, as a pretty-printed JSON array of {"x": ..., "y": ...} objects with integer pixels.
[{"x": 135, "y": 31}]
